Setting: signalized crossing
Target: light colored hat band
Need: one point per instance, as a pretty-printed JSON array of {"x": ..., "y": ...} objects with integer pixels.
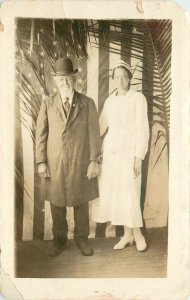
[{"x": 122, "y": 63}]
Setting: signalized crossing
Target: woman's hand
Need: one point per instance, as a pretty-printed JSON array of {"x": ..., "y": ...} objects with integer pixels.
[
  {"x": 93, "y": 170},
  {"x": 137, "y": 166}
]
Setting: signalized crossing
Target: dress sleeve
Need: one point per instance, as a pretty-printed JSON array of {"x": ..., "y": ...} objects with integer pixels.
[
  {"x": 103, "y": 121},
  {"x": 142, "y": 127}
]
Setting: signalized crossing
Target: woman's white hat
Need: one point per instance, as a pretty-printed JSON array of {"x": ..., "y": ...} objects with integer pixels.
[{"x": 122, "y": 63}]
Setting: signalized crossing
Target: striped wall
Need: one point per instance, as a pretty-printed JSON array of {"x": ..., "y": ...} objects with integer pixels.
[{"x": 94, "y": 79}]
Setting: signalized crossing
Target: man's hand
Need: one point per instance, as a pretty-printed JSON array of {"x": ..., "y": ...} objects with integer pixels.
[
  {"x": 43, "y": 170},
  {"x": 137, "y": 166},
  {"x": 93, "y": 170}
]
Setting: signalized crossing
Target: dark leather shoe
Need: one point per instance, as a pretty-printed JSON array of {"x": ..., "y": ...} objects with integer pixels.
[
  {"x": 59, "y": 244},
  {"x": 85, "y": 248}
]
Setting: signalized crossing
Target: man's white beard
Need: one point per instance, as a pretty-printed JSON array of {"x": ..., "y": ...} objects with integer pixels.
[{"x": 66, "y": 92}]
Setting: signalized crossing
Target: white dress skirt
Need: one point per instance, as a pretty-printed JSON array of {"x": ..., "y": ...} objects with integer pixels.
[{"x": 126, "y": 119}]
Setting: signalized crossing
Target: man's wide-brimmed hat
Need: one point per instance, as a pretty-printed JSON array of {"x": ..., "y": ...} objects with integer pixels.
[
  {"x": 123, "y": 64},
  {"x": 63, "y": 67}
]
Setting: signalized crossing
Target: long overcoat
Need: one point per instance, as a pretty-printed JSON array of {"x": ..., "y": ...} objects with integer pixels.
[{"x": 68, "y": 145}]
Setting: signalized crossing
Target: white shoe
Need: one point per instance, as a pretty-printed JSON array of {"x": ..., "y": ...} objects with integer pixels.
[
  {"x": 140, "y": 243},
  {"x": 124, "y": 241}
]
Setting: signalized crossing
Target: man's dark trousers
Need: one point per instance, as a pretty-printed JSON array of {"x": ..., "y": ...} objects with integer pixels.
[{"x": 81, "y": 219}]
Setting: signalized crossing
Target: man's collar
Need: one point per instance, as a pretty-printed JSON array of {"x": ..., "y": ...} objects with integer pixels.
[{"x": 70, "y": 96}]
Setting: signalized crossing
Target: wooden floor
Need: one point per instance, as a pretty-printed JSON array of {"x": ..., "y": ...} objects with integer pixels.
[{"x": 32, "y": 260}]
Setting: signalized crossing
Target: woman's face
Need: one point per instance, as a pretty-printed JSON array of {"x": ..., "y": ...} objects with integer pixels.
[{"x": 121, "y": 79}]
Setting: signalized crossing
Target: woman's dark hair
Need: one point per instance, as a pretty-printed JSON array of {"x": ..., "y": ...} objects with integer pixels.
[{"x": 122, "y": 67}]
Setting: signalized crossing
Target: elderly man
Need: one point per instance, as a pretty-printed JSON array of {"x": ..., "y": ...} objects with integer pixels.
[{"x": 67, "y": 152}]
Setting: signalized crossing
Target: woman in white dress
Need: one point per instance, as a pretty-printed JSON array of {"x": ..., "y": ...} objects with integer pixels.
[{"x": 124, "y": 118}]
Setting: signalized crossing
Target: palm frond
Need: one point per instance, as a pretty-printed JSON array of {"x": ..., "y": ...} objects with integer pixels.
[
  {"x": 162, "y": 150},
  {"x": 148, "y": 41}
]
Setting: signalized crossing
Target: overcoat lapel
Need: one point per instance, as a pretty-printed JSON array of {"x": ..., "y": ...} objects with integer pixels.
[
  {"x": 60, "y": 108},
  {"x": 77, "y": 105}
]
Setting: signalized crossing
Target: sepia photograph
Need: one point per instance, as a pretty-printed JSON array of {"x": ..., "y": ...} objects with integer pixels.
[
  {"x": 92, "y": 118},
  {"x": 95, "y": 158}
]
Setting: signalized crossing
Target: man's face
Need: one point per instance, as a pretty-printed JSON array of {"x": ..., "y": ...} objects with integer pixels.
[{"x": 65, "y": 83}]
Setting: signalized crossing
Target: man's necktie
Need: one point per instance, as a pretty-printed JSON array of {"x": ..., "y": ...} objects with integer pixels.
[{"x": 66, "y": 106}]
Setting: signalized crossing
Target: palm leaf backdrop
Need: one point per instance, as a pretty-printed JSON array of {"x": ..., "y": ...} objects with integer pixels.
[
  {"x": 147, "y": 41},
  {"x": 40, "y": 41}
]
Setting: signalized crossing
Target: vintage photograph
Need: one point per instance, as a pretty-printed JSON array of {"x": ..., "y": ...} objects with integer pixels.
[{"x": 92, "y": 145}]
